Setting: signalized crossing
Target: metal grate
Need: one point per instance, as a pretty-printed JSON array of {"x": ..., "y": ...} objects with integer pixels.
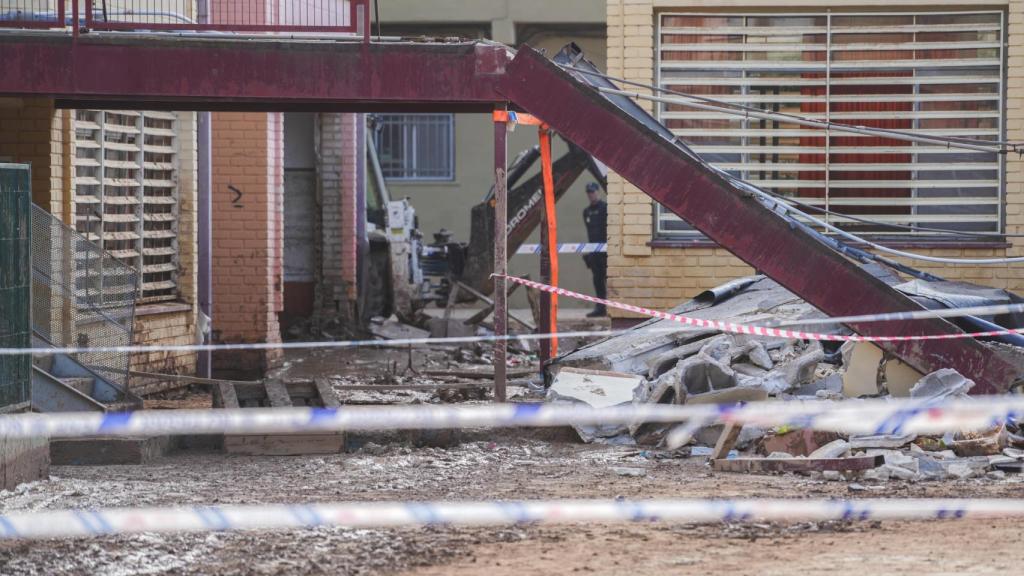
[
  {"x": 126, "y": 192},
  {"x": 416, "y": 146},
  {"x": 337, "y": 16},
  {"x": 81, "y": 296},
  {"x": 932, "y": 73},
  {"x": 32, "y": 13}
]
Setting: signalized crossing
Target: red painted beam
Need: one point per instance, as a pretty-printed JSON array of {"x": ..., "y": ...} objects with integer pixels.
[
  {"x": 738, "y": 222},
  {"x": 254, "y": 73}
]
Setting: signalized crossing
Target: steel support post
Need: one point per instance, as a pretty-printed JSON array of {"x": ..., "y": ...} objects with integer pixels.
[{"x": 500, "y": 258}]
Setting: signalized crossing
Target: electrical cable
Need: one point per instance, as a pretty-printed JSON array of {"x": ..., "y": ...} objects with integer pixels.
[
  {"x": 777, "y": 202},
  {"x": 1015, "y": 146},
  {"x": 890, "y": 224}
]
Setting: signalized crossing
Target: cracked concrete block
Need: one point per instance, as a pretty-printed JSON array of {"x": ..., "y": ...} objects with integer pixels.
[{"x": 944, "y": 383}]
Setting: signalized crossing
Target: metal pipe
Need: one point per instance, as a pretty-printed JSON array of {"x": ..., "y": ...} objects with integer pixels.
[
  {"x": 204, "y": 214},
  {"x": 500, "y": 256}
]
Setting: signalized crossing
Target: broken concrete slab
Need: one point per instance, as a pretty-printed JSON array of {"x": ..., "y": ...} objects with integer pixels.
[
  {"x": 941, "y": 384},
  {"x": 889, "y": 441},
  {"x": 834, "y": 449},
  {"x": 393, "y": 329},
  {"x": 598, "y": 389}
]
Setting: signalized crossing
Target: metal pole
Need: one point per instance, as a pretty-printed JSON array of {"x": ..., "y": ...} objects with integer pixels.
[
  {"x": 500, "y": 256},
  {"x": 204, "y": 213},
  {"x": 549, "y": 247}
]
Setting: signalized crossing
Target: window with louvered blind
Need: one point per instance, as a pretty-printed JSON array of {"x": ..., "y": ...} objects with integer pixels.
[
  {"x": 929, "y": 73},
  {"x": 126, "y": 194}
]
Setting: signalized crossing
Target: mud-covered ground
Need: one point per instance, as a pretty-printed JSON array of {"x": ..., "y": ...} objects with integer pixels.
[
  {"x": 502, "y": 465},
  {"x": 488, "y": 464}
]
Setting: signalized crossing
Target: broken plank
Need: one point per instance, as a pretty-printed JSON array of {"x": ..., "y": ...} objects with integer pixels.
[
  {"x": 770, "y": 465},
  {"x": 726, "y": 440},
  {"x": 468, "y": 373},
  {"x": 327, "y": 395},
  {"x": 278, "y": 394},
  {"x": 224, "y": 396}
]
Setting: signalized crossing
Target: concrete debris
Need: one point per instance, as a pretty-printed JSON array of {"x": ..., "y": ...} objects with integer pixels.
[
  {"x": 598, "y": 389},
  {"x": 393, "y": 329},
  {"x": 664, "y": 363},
  {"x": 834, "y": 449},
  {"x": 941, "y": 384},
  {"x": 987, "y": 443},
  {"x": 960, "y": 471},
  {"x": 797, "y": 442},
  {"x": 630, "y": 472},
  {"x": 881, "y": 441}
]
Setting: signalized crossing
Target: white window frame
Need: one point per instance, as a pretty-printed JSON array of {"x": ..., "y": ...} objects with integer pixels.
[{"x": 663, "y": 216}]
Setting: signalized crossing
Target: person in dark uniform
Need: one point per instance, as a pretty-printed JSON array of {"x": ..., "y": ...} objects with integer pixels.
[{"x": 595, "y": 216}]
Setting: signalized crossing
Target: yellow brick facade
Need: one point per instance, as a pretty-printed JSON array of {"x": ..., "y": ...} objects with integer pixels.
[
  {"x": 661, "y": 277},
  {"x": 33, "y": 131}
]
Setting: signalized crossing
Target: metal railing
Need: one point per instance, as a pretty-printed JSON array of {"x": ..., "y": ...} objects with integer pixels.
[
  {"x": 81, "y": 296},
  {"x": 263, "y": 16}
]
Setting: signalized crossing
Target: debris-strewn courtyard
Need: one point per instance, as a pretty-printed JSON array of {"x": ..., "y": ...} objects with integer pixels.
[{"x": 500, "y": 465}]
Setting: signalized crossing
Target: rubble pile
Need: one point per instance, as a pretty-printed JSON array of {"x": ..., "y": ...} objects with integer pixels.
[{"x": 664, "y": 362}]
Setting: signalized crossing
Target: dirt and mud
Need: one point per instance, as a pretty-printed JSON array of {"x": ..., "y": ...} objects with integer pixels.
[
  {"x": 490, "y": 464},
  {"x": 497, "y": 465}
]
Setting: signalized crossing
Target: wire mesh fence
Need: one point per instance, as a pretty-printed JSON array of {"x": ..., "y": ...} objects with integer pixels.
[
  {"x": 14, "y": 284},
  {"x": 81, "y": 296}
]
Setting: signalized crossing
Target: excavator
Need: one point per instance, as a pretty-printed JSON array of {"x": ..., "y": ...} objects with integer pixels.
[{"x": 403, "y": 273}]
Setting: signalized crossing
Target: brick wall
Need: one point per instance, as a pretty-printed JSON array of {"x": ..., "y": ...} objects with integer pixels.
[
  {"x": 32, "y": 131},
  {"x": 661, "y": 277},
  {"x": 247, "y": 275},
  {"x": 337, "y": 150},
  {"x": 175, "y": 323}
]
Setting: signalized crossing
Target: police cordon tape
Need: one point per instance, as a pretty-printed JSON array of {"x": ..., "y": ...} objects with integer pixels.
[
  {"x": 78, "y": 523},
  {"x": 897, "y": 416},
  {"x": 779, "y": 332},
  {"x": 566, "y": 248},
  {"x": 685, "y": 321}
]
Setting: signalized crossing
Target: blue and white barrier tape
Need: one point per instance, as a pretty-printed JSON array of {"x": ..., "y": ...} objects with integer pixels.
[
  {"x": 567, "y": 248},
  {"x": 849, "y": 417},
  {"x": 78, "y": 523}
]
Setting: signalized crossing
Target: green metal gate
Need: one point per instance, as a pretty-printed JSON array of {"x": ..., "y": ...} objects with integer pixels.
[{"x": 15, "y": 284}]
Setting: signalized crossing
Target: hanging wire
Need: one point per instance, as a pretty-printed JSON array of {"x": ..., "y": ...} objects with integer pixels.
[
  {"x": 863, "y": 220},
  {"x": 1003, "y": 145}
]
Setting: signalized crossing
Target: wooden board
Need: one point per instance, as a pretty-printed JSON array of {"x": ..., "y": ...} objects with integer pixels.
[
  {"x": 224, "y": 396},
  {"x": 327, "y": 396},
  {"x": 284, "y": 444},
  {"x": 770, "y": 465},
  {"x": 726, "y": 440},
  {"x": 278, "y": 394}
]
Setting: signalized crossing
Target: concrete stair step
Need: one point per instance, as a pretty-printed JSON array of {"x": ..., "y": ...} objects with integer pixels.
[{"x": 83, "y": 385}]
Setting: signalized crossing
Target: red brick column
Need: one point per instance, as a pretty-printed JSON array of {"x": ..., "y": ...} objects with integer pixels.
[{"x": 247, "y": 237}]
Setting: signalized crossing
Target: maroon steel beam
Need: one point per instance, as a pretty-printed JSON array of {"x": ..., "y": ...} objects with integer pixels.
[
  {"x": 738, "y": 222},
  {"x": 250, "y": 72}
]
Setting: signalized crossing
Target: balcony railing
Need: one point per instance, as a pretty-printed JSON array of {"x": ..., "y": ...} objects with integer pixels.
[{"x": 351, "y": 17}]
